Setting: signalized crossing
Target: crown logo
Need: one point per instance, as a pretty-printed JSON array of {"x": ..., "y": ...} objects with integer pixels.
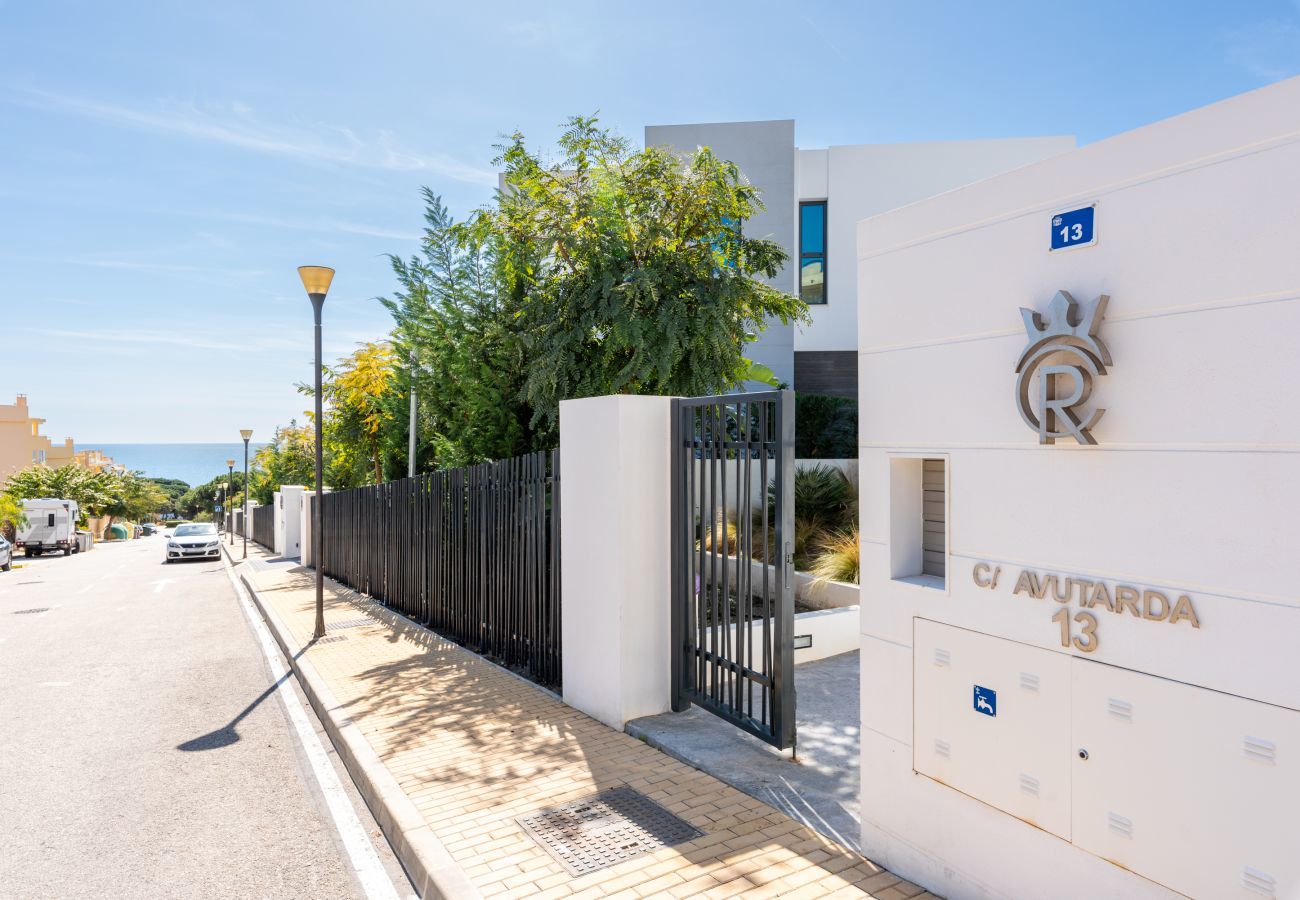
[{"x": 1065, "y": 345}]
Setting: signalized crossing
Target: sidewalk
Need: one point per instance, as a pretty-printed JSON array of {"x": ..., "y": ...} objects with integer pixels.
[{"x": 473, "y": 747}]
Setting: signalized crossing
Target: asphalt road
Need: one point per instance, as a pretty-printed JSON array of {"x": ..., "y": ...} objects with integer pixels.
[{"x": 145, "y": 749}]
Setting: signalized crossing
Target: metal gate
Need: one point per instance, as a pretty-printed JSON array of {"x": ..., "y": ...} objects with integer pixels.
[{"x": 732, "y": 560}]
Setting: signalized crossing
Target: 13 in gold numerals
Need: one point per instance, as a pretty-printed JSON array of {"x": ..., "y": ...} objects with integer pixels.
[{"x": 1086, "y": 640}]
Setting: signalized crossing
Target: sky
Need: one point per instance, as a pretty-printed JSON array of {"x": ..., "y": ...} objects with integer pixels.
[{"x": 165, "y": 167}]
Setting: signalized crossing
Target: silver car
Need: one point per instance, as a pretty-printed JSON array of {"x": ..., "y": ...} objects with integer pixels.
[
  {"x": 6, "y": 554},
  {"x": 197, "y": 541}
]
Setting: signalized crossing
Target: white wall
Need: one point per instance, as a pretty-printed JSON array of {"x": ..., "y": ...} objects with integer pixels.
[
  {"x": 864, "y": 180},
  {"x": 1192, "y": 489},
  {"x": 614, "y": 490}
]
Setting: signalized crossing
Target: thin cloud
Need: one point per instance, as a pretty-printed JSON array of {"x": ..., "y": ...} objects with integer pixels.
[
  {"x": 191, "y": 341},
  {"x": 1268, "y": 50},
  {"x": 236, "y": 126}
]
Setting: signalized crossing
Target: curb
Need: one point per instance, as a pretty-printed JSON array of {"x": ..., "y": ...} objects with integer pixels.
[{"x": 432, "y": 870}]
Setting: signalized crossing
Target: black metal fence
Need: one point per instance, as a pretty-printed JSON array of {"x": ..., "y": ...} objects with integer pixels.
[
  {"x": 472, "y": 553},
  {"x": 264, "y": 526},
  {"x": 732, "y": 563}
]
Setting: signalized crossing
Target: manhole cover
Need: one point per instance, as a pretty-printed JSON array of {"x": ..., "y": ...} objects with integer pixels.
[
  {"x": 23, "y": 612},
  {"x": 605, "y": 830},
  {"x": 348, "y": 623},
  {"x": 332, "y": 638}
]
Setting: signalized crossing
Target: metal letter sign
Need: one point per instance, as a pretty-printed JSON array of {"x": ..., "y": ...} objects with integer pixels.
[
  {"x": 986, "y": 701},
  {"x": 1065, "y": 352},
  {"x": 1075, "y": 228}
]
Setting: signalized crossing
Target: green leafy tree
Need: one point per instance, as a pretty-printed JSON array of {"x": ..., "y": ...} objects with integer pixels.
[
  {"x": 203, "y": 497},
  {"x": 470, "y": 359},
  {"x": 12, "y": 516},
  {"x": 290, "y": 458},
  {"x": 93, "y": 492},
  {"x": 629, "y": 270},
  {"x": 175, "y": 489}
]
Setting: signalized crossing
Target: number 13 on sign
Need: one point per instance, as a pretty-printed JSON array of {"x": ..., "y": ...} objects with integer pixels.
[
  {"x": 1086, "y": 640},
  {"x": 1075, "y": 228}
]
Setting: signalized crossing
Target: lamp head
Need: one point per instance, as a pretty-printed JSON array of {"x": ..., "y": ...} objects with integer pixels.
[
  {"x": 230, "y": 463},
  {"x": 246, "y": 433},
  {"x": 316, "y": 279}
]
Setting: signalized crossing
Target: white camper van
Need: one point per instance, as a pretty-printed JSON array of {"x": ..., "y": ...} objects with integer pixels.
[{"x": 51, "y": 527}]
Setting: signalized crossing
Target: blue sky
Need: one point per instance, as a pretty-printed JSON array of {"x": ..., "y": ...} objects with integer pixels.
[{"x": 164, "y": 167}]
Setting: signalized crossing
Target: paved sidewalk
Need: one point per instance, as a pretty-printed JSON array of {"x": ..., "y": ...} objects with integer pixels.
[{"x": 473, "y": 747}]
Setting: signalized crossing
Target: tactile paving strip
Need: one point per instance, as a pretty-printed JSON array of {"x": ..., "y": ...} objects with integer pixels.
[{"x": 606, "y": 829}]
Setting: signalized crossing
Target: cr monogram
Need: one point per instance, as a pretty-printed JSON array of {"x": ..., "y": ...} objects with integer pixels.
[{"x": 1063, "y": 348}]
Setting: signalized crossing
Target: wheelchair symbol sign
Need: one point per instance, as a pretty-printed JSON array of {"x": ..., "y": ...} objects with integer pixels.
[{"x": 986, "y": 701}]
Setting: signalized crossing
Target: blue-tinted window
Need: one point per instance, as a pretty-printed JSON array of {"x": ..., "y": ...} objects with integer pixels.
[{"x": 812, "y": 252}]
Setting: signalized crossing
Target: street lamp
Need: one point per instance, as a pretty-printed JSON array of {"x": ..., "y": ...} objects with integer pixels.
[
  {"x": 316, "y": 279},
  {"x": 246, "y": 433},
  {"x": 216, "y": 511},
  {"x": 230, "y": 511}
]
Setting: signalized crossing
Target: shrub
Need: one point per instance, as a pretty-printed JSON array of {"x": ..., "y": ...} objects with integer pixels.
[{"x": 837, "y": 558}]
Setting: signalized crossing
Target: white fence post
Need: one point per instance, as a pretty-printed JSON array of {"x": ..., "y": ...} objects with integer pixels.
[
  {"x": 615, "y": 457},
  {"x": 289, "y": 538}
]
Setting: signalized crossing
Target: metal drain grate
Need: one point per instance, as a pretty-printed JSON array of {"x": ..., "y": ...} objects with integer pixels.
[
  {"x": 348, "y": 623},
  {"x": 23, "y": 612},
  {"x": 605, "y": 830},
  {"x": 332, "y": 638}
]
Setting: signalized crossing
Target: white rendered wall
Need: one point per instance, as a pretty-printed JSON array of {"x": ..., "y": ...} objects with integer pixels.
[
  {"x": 863, "y": 180},
  {"x": 291, "y": 496},
  {"x": 1193, "y": 488},
  {"x": 614, "y": 490}
]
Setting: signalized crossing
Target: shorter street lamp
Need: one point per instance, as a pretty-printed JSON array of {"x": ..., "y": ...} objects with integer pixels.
[
  {"x": 216, "y": 511},
  {"x": 246, "y": 433},
  {"x": 230, "y": 492}
]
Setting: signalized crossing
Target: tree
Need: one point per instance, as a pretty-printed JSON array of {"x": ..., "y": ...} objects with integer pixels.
[
  {"x": 12, "y": 516},
  {"x": 629, "y": 270},
  {"x": 203, "y": 497},
  {"x": 361, "y": 396},
  {"x": 290, "y": 458},
  {"x": 93, "y": 492},
  {"x": 469, "y": 351},
  {"x": 175, "y": 489}
]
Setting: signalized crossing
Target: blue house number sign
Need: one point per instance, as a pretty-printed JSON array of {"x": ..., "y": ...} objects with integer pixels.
[
  {"x": 986, "y": 701},
  {"x": 1076, "y": 228}
]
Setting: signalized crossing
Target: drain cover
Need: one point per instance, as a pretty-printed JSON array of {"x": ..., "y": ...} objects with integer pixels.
[
  {"x": 348, "y": 623},
  {"x": 332, "y": 638},
  {"x": 23, "y": 612},
  {"x": 605, "y": 830}
]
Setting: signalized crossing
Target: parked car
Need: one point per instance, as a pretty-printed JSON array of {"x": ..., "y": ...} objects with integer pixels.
[
  {"x": 6, "y": 554},
  {"x": 149, "y": 528},
  {"x": 196, "y": 541},
  {"x": 51, "y": 527}
]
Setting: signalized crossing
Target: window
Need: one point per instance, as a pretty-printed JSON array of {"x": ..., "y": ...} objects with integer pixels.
[{"x": 812, "y": 252}]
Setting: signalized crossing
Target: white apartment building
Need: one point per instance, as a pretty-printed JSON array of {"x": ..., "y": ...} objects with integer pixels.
[{"x": 814, "y": 200}]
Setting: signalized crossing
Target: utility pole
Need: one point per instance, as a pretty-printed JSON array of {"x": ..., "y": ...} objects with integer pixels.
[{"x": 410, "y": 449}]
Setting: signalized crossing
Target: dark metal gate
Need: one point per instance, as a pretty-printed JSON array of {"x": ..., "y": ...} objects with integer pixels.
[
  {"x": 732, "y": 560},
  {"x": 264, "y": 526}
]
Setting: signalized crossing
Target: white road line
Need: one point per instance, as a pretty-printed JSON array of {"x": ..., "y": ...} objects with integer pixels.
[
  {"x": 365, "y": 861},
  {"x": 89, "y": 587},
  {"x": 160, "y": 584}
]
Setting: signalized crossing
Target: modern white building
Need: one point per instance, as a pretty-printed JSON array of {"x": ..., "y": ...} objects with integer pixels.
[
  {"x": 1080, "y": 674},
  {"x": 814, "y": 200}
]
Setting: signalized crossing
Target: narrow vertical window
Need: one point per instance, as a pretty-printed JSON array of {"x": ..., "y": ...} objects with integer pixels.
[
  {"x": 812, "y": 251},
  {"x": 934, "y": 525}
]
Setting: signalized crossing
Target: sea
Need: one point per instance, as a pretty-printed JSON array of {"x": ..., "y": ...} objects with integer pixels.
[{"x": 193, "y": 464}]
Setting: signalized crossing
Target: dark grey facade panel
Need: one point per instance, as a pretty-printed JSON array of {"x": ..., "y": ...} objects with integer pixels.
[{"x": 830, "y": 372}]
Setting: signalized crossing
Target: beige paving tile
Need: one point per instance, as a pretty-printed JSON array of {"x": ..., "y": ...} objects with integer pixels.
[{"x": 475, "y": 747}]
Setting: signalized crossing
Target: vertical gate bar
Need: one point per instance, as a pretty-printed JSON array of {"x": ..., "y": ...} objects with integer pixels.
[
  {"x": 769, "y": 553},
  {"x": 678, "y": 592},
  {"x": 727, "y": 676},
  {"x": 783, "y": 720},
  {"x": 745, "y": 639}
]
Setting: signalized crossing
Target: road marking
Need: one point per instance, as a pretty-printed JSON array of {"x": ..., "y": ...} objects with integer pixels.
[
  {"x": 87, "y": 588},
  {"x": 160, "y": 584},
  {"x": 365, "y": 861}
]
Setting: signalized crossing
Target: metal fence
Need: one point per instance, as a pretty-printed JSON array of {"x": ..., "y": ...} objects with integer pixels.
[
  {"x": 264, "y": 526},
  {"x": 472, "y": 553},
  {"x": 732, "y": 536}
]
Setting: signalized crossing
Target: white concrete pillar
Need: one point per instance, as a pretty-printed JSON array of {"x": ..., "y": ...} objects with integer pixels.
[
  {"x": 277, "y": 523},
  {"x": 614, "y": 497},
  {"x": 289, "y": 538},
  {"x": 308, "y": 503}
]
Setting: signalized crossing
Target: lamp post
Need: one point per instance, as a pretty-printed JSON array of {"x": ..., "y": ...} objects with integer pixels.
[
  {"x": 410, "y": 450},
  {"x": 230, "y": 492},
  {"x": 316, "y": 279},
  {"x": 246, "y": 433},
  {"x": 216, "y": 511}
]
